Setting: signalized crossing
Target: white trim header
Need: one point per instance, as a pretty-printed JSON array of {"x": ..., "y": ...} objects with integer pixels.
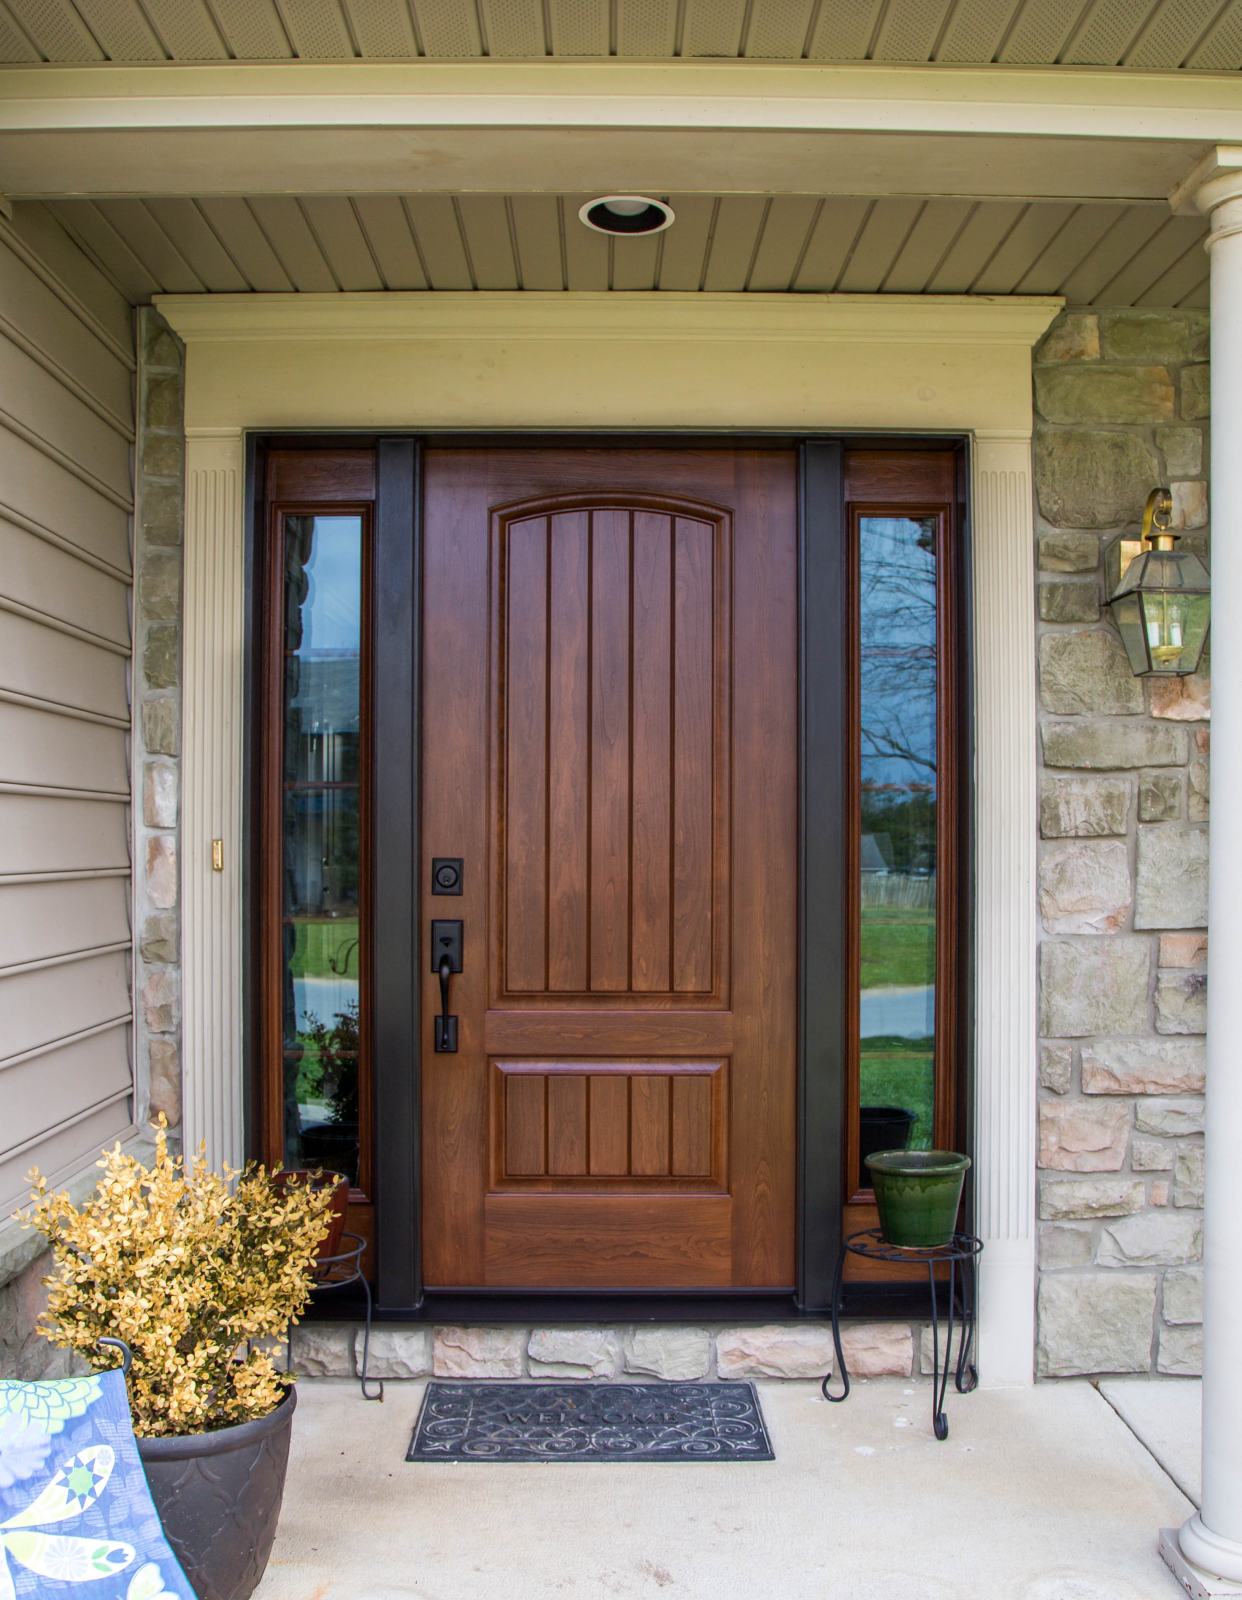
[{"x": 684, "y": 318}]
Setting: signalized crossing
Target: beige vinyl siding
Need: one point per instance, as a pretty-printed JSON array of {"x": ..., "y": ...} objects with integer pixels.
[{"x": 66, "y": 434}]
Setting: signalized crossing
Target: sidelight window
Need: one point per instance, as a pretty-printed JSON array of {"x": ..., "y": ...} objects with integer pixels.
[
  {"x": 897, "y": 781},
  {"x": 314, "y": 822},
  {"x": 904, "y": 903},
  {"x": 321, "y": 837}
]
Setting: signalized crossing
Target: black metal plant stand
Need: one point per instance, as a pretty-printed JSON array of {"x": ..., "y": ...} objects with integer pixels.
[
  {"x": 963, "y": 1249},
  {"x": 341, "y": 1271}
]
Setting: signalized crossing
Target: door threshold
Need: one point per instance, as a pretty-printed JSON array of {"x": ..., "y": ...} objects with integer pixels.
[
  {"x": 630, "y": 1305},
  {"x": 874, "y": 1302}
]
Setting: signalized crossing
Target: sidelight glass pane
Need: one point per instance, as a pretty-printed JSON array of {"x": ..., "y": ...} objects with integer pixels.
[
  {"x": 897, "y": 848},
  {"x": 321, "y": 841}
]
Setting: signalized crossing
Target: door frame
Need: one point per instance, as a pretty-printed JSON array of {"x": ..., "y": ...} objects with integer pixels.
[
  {"x": 803, "y": 364},
  {"x": 823, "y": 722}
]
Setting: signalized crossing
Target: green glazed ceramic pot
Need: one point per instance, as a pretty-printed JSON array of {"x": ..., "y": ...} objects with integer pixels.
[{"x": 918, "y": 1193}]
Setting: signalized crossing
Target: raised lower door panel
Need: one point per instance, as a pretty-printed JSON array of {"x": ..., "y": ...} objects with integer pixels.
[
  {"x": 610, "y": 1126},
  {"x": 609, "y": 745},
  {"x": 609, "y": 1242}
]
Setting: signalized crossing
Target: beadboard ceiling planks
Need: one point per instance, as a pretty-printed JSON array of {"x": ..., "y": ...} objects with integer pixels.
[
  {"x": 1147, "y": 35},
  {"x": 1106, "y": 253}
]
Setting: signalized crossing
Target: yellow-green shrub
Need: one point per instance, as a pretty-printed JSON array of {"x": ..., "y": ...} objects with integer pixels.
[{"x": 186, "y": 1267}]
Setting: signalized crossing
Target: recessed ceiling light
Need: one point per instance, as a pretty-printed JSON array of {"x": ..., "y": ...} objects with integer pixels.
[{"x": 626, "y": 214}]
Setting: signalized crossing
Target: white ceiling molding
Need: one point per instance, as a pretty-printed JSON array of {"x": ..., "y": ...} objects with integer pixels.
[
  {"x": 598, "y": 318},
  {"x": 738, "y": 95},
  {"x": 312, "y": 160},
  {"x": 666, "y": 127}
]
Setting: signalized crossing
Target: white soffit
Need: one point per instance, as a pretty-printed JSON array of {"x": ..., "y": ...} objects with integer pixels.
[
  {"x": 450, "y": 176},
  {"x": 1108, "y": 254},
  {"x": 1187, "y": 35}
]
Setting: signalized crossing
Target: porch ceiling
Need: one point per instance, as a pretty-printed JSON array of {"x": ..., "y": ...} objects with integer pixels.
[
  {"x": 1151, "y": 35},
  {"x": 1112, "y": 254}
]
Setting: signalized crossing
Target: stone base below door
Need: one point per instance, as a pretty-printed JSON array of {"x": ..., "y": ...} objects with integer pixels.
[{"x": 612, "y": 1352}]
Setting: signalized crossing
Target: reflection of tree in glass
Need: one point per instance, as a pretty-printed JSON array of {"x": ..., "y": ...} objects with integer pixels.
[
  {"x": 907, "y": 826},
  {"x": 320, "y": 826},
  {"x": 329, "y": 1071},
  {"x": 897, "y": 744},
  {"x": 336, "y": 1054},
  {"x": 322, "y": 712},
  {"x": 897, "y": 666}
]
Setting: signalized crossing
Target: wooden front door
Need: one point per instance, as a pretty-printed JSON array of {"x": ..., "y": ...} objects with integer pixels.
[{"x": 609, "y": 747}]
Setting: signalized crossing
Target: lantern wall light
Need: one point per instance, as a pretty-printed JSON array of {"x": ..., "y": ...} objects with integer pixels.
[{"x": 1161, "y": 602}]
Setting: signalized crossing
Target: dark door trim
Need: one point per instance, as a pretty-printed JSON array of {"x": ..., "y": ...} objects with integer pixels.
[
  {"x": 824, "y": 712},
  {"x": 964, "y": 711},
  {"x": 396, "y": 895},
  {"x": 822, "y": 933}
]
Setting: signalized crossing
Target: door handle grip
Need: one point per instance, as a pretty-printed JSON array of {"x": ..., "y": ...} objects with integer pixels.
[
  {"x": 446, "y": 972},
  {"x": 446, "y": 959},
  {"x": 446, "y": 1025}
]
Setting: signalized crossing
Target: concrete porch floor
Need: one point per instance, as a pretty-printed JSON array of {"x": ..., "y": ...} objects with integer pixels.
[
  {"x": 1168, "y": 1418},
  {"x": 1041, "y": 1494}
]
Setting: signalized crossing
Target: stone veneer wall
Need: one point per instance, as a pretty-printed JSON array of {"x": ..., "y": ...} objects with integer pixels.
[
  {"x": 1122, "y": 402},
  {"x": 160, "y": 488}
]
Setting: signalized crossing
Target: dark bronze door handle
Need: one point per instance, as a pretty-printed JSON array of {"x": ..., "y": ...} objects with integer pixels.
[
  {"x": 446, "y": 959},
  {"x": 446, "y": 1026}
]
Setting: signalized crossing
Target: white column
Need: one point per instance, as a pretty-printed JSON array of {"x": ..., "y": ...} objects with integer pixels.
[
  {"x": 211, "y": 765},
  {"x": 1006, "y": 1029},
  {"x": 1212, "y": 1540}
]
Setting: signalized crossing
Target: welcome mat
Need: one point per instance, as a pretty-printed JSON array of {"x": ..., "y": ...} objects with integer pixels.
[{"x": 490, "y": 1421}]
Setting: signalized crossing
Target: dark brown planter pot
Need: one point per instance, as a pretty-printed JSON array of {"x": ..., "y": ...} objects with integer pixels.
[{"x": 218, "y": 1496}]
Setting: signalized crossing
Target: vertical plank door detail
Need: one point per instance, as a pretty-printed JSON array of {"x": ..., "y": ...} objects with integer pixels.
[
  {"x": 611, "y": 722},
  {"x": 637, "y": 1125}
]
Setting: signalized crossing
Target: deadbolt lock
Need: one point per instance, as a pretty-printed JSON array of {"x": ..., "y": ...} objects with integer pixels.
[{"x": 446, "y": 875}]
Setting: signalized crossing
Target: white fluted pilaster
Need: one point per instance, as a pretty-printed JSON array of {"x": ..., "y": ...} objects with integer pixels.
[
  {"x": 1005, "y": 982},
  {"x": 212, "y": 674}
]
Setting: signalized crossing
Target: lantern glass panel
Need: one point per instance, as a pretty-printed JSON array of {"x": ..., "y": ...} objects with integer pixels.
[
  {"x": 1176, "y": 627},
  {"x": 1128, "y": 615}
]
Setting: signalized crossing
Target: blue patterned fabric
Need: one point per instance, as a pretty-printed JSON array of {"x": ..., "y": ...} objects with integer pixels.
[{"x": 76, "y": 1517}]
